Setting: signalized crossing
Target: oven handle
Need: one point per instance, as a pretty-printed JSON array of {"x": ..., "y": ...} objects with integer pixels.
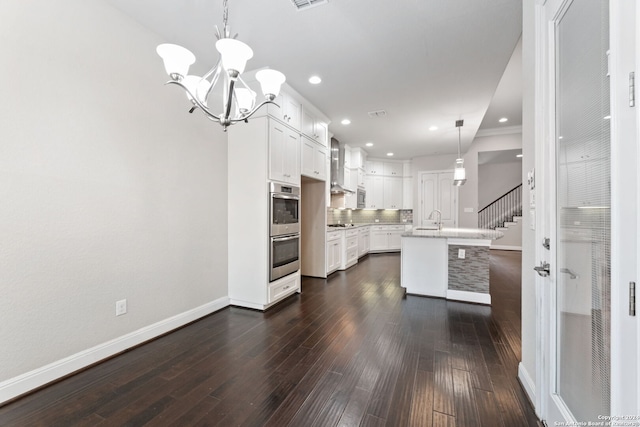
[
  {"x": 285, "y": 238},
  {"x": 282, "y": 196}
]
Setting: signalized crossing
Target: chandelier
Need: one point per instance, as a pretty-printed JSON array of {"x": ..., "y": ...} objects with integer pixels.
[
  {"x": 459, "y": 175},
  {"x": 238, "y": 100}
]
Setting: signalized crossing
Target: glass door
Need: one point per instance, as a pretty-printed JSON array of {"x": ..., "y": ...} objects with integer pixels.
[{"x": 583, "y": 217}]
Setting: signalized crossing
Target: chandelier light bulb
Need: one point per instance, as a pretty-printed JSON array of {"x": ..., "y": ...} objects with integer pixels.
[
  {"x": 235, "y": 55},
  {"x": 270, "y": 82},
  {"x": 177, "y": 60},
  {"x": 197, "y": 86},
  {"x": 244, "y": 99}
]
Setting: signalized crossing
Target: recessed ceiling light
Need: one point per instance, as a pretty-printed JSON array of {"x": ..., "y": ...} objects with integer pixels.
[
  {"x": 560, "y": 137},
  {"x": 369, "y": 144},
  {"x": 314, "y": 80},
  {"x": 432, "y": 128},
  {"x": 346, "y": 122},
  {"x": 389, "y": 154},
  {"x": 518, "y": 155},
  {"x": 502, "y": 120}
]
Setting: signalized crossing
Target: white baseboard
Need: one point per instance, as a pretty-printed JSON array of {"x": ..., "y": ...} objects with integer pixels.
[
  {"x": 507, "y": 248},
  {"x": 17, "y": 386},
  {"x": 465, "y": 296},
  {"x": 527, "y": 383}
]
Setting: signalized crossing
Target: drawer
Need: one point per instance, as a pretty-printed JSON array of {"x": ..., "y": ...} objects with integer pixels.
[
  {"x": 352, "y": 255},
  {"x": 350, "y": 233},
  {"x": 364, "y": 230},
  {"x": 334, "y": 235},
  {"x": 283, "y": 287},
  {"x": 352, "y": 242},
  {"x": 378, "y": 228},
  {"x": 395, "y": 227}
]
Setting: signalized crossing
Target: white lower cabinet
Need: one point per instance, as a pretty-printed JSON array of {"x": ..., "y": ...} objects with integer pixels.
[
  {"x": 334, "y": 250},
  {"x": 364, "y": 235},
  {"x": 350, "y": 256},
  {"x": 386, "y": 238},
  {"x": 283, "y": 287}
]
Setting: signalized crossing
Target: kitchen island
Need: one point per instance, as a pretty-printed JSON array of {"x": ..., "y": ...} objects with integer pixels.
[{"x": 451, "y": 263}]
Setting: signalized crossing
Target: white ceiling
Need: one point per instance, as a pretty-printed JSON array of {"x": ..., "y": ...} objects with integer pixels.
[{"x": 426, "y": 62}]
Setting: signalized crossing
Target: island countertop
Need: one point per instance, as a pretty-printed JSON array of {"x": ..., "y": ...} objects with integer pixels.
[{"x": 455, "y": 233}]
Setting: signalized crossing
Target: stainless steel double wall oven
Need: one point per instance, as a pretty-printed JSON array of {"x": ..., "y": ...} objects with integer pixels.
[{"x": 284, "y": 230}]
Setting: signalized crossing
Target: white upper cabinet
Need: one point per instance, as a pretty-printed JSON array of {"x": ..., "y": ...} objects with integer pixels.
[
  {"x": 357, "y": 158},
  {"x": 313, "y": 127},
  {"x": 392, "y": 195},
  {"x": 284, "y": 154},
  {"x": 314, "y": 159},
  {"x": 374, "y": 167},
  {"x": 392, "y": 169},
  {"x": 375, "y": 192},
  {"x": 289, "y": 112}
]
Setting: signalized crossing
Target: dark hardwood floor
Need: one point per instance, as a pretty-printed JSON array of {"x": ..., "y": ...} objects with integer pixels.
[{"x": 349, "y": 351}]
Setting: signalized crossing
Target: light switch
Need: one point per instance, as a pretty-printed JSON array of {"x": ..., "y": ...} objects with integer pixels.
[
  {"x": 468, "y": 210},
  {"x": 461, "y": 253}
]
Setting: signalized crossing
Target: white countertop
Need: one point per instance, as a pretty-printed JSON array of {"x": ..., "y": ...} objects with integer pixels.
[
  {"x": 458, "y": 233},
  {"x": 350, "y": 226}
]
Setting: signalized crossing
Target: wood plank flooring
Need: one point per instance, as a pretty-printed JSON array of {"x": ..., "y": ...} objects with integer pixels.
[{"x": 352, "y": 350}]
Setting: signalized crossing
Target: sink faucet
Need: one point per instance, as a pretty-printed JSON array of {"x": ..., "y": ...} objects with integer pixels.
[{"x": 439, "y": 221}]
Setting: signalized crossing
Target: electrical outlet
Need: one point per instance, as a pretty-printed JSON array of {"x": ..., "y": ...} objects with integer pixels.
[
  {"x": 462, "y": 253},
  {"x": 121, "y": 307}
]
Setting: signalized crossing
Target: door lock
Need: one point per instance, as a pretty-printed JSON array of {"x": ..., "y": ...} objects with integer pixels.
[{"x": 543, "y": 269}]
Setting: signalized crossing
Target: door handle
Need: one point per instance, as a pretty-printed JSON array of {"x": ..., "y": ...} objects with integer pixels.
[
  {"x": 572, "y": 274},
  {"x": 543, "y": 269}
]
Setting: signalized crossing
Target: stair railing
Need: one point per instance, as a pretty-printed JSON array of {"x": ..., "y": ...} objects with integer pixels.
[{"x": 501, "y": 210}]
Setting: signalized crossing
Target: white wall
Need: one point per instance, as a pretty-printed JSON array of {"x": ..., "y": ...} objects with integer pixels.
[
  {"x": 496, "y": 179},
  {"x": 529, "y": 297},
  {"x": 108, "y": 188},
  {"x": 468, "y": 195}
]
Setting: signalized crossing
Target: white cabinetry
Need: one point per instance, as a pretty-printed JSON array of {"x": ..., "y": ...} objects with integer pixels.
[
  {"x": 284, "y": 154},
  {"x": 374, "y": 167},
  {"x": 364, "y": 235},
  {"x": 313, "y": 127},
  {"x": 334, "y": 250},
  {"x": 350, "y": 256},
  {"x": 289, "y": 112},
  {"x": 386, "y": 238},
  {"x": 314, "y": 159},
  {"x": 375, "y": 192},
  {"x": 392, "y": 193},
  {"x": 392, "y": 169}
]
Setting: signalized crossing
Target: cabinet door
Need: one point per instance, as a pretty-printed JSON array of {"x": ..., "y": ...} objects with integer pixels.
[
  {"x": 361, "y": 176},
  {"x": 308, "y": 167},
  {"x": 395, "y": 237},
  {"x": 392, "y": 169},
  {"x": 375, "y": 192},
  {"x": 321, "y": 162},
  {"x": 374, "y": 168},
  {"x": 277, "y": 150},
  {"x": 292, "y": 112},
  {"x": 292, "y": 157},
  {"x": 322, "y": 133},
  {"x": 379, "y": 240},
  {"x": 392, "y": 193}
]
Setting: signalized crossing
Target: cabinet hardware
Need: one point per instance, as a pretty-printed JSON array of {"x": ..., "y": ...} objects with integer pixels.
[
  {"x": 632, "y": 298},
  {"x": 571, "y": 273},
  {"x": 632, "y": 89},
  {"x": 546, "y": 243},
  {"x": 543, "y": 269}
]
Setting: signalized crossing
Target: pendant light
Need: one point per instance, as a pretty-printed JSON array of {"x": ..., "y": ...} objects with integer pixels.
[{"x": 459, "y": 174}]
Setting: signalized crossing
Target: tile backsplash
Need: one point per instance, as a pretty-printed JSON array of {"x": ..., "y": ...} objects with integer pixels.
[{"x": 359, "y": 216}]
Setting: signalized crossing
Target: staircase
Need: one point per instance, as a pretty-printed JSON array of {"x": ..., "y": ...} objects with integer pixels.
[{"x": 504, "y": 214}]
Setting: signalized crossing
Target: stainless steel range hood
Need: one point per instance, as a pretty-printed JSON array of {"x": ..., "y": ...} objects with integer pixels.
[{"x": 337, "y": 168}]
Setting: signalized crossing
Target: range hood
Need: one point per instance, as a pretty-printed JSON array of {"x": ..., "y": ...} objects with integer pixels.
[{"x": 337, "y": 168}]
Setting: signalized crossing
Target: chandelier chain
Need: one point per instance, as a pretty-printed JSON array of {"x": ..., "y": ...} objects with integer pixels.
[{"x": 225, "y": 17}]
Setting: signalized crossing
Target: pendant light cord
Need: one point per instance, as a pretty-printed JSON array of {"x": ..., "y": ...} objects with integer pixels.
[{"x": 225, "y": 17}]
